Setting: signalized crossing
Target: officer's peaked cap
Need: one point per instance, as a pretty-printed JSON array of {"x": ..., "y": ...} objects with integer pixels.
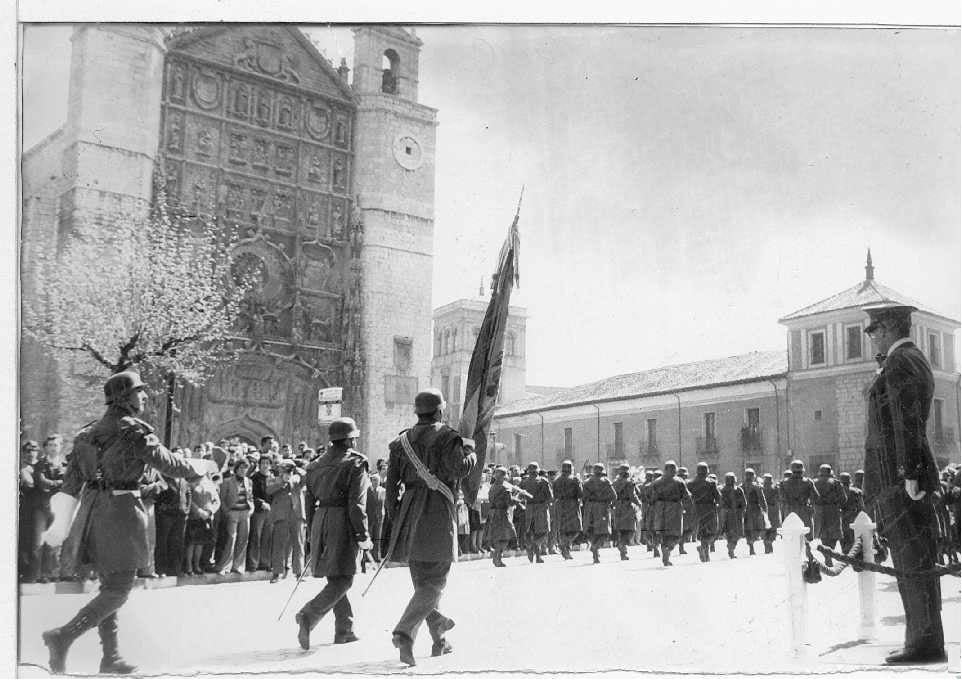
[{"x": 885, "y": 311}]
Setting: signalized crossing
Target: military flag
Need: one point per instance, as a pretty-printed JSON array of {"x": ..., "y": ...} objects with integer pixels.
[{"x": 484, "y": 371}]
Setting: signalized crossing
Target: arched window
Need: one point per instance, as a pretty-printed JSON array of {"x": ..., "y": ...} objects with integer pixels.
[
  {"x": 447, "y": 341},
  {"x": 454, "y": 339},
  {"x": 390, "y": 62},
  {"x": 437, "y": 344}
]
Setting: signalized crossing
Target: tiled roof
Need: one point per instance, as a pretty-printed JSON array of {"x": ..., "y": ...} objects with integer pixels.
[
  {"x": 864, "y": 293},
  {"x": 737, "y": 369}
]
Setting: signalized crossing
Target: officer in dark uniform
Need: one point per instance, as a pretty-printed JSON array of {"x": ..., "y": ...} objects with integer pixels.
[
  {"x": 828, "y": 506},
  {"x": 335, "y": 496},
  {"x": 109, "y": 458},
  {"x": 756, "y": 510},
  {"x": 901, "y": 476},
  {"x": 798, "y": 494},
  {"x": 429, "y": 460},
  {"x": 854, "y": 504}
]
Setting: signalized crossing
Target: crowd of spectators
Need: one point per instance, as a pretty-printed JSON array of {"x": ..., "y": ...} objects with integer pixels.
[{"x": 248, "y": 512}]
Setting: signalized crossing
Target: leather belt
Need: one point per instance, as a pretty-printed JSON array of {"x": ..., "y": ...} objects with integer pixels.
[
  {"x": 120, "y": 492},
  {"x": 104, "y": 485},
  {"x": 332, "y": 503}
]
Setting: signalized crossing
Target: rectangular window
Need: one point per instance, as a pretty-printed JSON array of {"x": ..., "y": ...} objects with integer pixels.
[
  {"x": 517, "y": 448},
  {"x": 444, "y": 386},
  {"x": 816, "y": 351},
  {"x": 753, "y": 418},
  {"x": 456, "y": 390},
  {"x": 935, "y": 353},
  {"x": 948, "y": 354},
  {"x": 709, "y": 427},
  {"x": 853, "y": 342},
  {"x": 569, "y": 452},
  {"x": 619, "y": 441},
  {"x": 652, "y": 434},
  {"x": 818, "y": 415},
  {"x": 937, "y": 406}
]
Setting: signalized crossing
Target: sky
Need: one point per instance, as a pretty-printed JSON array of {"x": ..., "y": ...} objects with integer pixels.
[{"x": 684, "y": 186}]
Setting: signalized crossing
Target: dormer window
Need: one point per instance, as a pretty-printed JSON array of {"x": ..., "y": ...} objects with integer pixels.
[{"x": 853, "y": 342}]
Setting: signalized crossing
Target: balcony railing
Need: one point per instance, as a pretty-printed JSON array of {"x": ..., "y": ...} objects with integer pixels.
[
  {"x": 751, "y": 439},
  {"x": 706, "y": 446}
]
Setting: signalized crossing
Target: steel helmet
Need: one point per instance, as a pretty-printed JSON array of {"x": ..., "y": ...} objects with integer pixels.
[
  {"x": 342, "y": 428},
  {"x": 119, "y": 385}
]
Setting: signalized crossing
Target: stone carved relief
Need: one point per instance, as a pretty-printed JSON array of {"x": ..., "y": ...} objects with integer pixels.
[
  {"x": 178, "y": 82},
  {"x": 205, "y": 142},
  {"x": 285, "y": 113},
  {"x": 255, "y": 381},
  {"x": 261, "y": 150},
  {"x": 207, "y": 89},
  {"x": 237, "y": 152},
  {"x": 316, "y": 172},
  {"x": 317, "y": 268},
  {"x": 338, "y": 219},
  {"x": 264, "y": 57},
  {"x": 263, "y": 107},
  {"x": 318, "y": 120},
  {"x": 339, "y": 174},
  {"x": 240, "y": 100},
  {"x": 284, "y": 159},
  {"x": 340, "y": 130},
  {"x": 175, "y": 131}
]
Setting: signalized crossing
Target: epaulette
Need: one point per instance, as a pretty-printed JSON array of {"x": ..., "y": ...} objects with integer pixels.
[{"x": 357, "y": 456}]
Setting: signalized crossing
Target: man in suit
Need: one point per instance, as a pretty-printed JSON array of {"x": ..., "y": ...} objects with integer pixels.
[
  {"x": 901, "y": 477},
  {"x": 286, "y": 520},
  {"x": 429, "y": 460}
]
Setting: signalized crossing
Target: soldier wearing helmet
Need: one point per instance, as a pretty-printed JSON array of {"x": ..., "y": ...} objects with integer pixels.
[
  {"x": 827, "y": 515},
  {"x": 430, "y": 459},
  {"x": 537, "y": 521},
  {"x": 798, "y": 494},
  {"x": 109, "y": 531},
  {"x": 854, "y": 504},
  {"x": 336, "y": 488},
  {"x": 774, "y": 511},
  {"x": 598, "y": 496},
  {"x": 705, "y": 497},
  {"x": 732, "y": 513},
  {"x": 568, "y": 493},
  {"x": 626, "y": 506},
  {"x": 756, "y": 510},
  {"x": 669, "y": 495}
]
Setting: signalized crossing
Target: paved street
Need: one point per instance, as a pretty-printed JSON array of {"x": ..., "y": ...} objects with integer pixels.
[{"x": 725, "y": 617}]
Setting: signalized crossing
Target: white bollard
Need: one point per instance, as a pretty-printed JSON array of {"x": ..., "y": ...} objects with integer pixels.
[
  {"x": 793, "y": 532},
  {"x": 864, "y": 529}
]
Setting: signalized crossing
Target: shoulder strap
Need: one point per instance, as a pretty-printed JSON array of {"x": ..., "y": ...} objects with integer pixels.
[{"x": 426, "y": 476}]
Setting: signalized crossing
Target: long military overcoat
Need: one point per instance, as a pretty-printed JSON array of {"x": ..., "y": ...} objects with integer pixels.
[
  {"x": 423, "y": 523},
  {"x": 732, "y": 512},
  {"x": 537, "y": 520},
  {"x": 567, "y": 504},
  {"x": 626, "y": 504},
  {"x": 598, "y": 497},
  {"x": 109, "y": 457},
  {"x": 500, "y": 527},
  {"x": 705, "y": 497},
  {"x": 335, "y": 493},
  {"x": 669, "y": 494},
  {"x": 756, "y": 509}
]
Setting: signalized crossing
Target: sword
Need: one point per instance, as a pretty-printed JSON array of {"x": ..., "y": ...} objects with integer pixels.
[
  {"x": 291, "y": 597},
  {"x": 395, "y": 532}
]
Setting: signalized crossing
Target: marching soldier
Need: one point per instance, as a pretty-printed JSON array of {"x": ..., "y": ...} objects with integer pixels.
[
  {"x": 774, "y": 518},
  {"x": 553, "y": 534},
  {"x": 798, "y": 494},
  {"x": 901, "y": 476},
  {"x": 568, "y": 493},
  {"x": 500, "y": 526},
  {"x": 429, "y": 460},
  {"x": 756, "y": 510},
  {"x": 854, "y": 504},
  {"x": 336, "y": 490},
  {"x": 109, "y": 458},
  {"x": 537, "y": 523},
  {"x": 828, "y": 509},
  {"x": 644, "y": 493},
  {"x": 598, "y": 497},
  {"x": 732, "y": 512},
  {"x": 705, "y": 497},
  {"x": 669, "y": 493},
  {"x": 688, "y": 517},
  {"x": 626, "y": 500}
]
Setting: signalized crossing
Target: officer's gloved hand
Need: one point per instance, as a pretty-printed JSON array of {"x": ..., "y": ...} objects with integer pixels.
[
  {"x": 912, "y": 489},
  {"x": 467, "y": 444},
  {"x": 366, "y": 544},
  {"x": 63, "y": 506}
]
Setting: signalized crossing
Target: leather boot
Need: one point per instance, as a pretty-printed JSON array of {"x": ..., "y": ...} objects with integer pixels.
[
  {"x": 768, "y": 548},
  {"x": 751, "y": 548},
  {"x": 594, "y": 555},
  {"x": 58, "y": 640},
  {"x": 530, "y": 555},
  {"x": 405, "y": 647},
  {"x": 303, "y": 631},
  {"x": 111, "y": 663},
  {"x": 655, "y": 552}
]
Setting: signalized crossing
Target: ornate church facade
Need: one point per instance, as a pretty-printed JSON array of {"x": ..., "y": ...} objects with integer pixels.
[{"x": 329, "y": 184}]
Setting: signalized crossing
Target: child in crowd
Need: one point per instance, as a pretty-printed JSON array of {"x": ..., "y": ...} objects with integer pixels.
[{"x": 204, "y": 503}]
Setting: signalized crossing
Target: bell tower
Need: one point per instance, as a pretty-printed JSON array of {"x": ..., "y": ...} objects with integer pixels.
[{"x": 394, "y": 183}]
